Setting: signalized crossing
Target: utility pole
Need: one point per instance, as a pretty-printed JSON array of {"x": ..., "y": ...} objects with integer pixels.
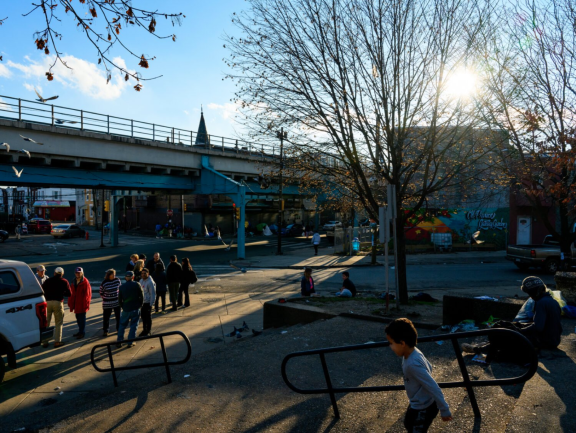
[{"x": 281, "y": 135}]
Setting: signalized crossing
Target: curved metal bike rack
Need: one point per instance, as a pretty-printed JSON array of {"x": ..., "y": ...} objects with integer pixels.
[
  {"x": 165, "y": 364},
  {"x": 532, "y": 360}
]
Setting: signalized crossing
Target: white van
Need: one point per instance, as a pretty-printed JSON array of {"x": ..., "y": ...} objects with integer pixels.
[{"x": 23, "y": 319}]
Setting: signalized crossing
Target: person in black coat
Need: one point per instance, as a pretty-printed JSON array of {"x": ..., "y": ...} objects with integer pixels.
[
  {"x": 132, "y": 262},
  {"x": 188, "y": 277},
  {"x": 154, "y": 261},
  {"x": 307, "y": 283},
  {"x": 159, "y": 277},
  {"x": 174, "y": 276}
]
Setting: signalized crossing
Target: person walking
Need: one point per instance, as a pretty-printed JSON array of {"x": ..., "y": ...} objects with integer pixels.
[
  {"x": 188, "y": 277},
  {"x": 149, "y": 290},
  {"x": 151, "y": 265},
  {"x": 55, "y": 289},
  {"x": 138, "y": 266},
  {"x": 174, "y": 276},
  {"x": 130, "y": 298},
  {"x": 159, "y": 277},
  {"x": 316, "y": 242},
  {"x": 109, "y": 294},
  {"x": 41, "y": 274},
  {"x": 79, "y": 302},
  {"x": 132, "y": 262}
]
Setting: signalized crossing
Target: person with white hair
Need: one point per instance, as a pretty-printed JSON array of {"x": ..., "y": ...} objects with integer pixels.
[{"x": 41, "y": 274}]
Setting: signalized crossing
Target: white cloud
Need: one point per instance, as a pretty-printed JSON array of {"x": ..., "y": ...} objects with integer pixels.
[
  {"x": 227, "y": 111},
  {"x": 5, "y": 72},
  {"x": 81, "y": 75},
  {"x": 186, "y": 113},
  {"x": 4, "y": 106}
]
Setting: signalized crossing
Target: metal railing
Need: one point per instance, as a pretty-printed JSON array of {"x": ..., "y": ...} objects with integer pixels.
[
  {"x": 71, "y": 118},
  {"x": 165, "y": 364},
  {"x": 531, "y": 358}
]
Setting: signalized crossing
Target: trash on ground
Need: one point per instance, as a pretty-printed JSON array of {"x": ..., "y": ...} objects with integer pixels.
[
  {"x": 61, "y": 392},
  {"x": 423, "y": 297},
  {"x": 464, "y": 326},
  {"x": 440, "y": 342},
  {"x": 480, "y": 358},
  {"x": 186, "y": 375},
  {"x": 486, "y": 298},
  {"x": 369, "y": 342},
  {"x": 284, "y": 332},
  {"x": 57, "y": 388}
]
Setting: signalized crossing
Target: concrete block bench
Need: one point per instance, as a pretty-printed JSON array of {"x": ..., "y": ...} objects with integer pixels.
[{"x": 458, "y": 308}]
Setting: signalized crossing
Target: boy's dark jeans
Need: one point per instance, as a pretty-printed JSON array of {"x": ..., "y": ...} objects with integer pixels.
[
  {"x": 106, "y": 313},
  {"x": 418, "y": 421},
  {"x": 146, "y": 314}
]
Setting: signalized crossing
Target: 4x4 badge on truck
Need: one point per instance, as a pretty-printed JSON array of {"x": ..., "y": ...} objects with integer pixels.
[{"x": 16, "y": 309}]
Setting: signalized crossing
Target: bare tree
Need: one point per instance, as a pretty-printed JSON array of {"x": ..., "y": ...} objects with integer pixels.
[
  {"x": 367, "y": 85},
  {"x": 101, "y": 23},
  {"x": 530, "y": 68}
]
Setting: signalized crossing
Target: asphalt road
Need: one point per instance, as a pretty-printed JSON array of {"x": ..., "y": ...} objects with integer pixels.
[{"x": 211, "y": 262}]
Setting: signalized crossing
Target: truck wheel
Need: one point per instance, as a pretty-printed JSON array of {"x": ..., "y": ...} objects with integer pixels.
[
  {"x": 2, "y": 369},
  {"x": 522, "y": 266},
  {"x": 551, "y": 266}
]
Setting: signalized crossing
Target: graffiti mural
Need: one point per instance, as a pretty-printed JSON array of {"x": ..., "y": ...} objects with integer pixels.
[{"x": 461, "y": 223}]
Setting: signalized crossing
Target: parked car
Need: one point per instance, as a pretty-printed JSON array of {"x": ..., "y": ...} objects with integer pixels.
[
  {"x": 546, "y": 256},
  {"x": 67, "y": 231},
  {"x": 3, "y": 235},
  {"x": 39, "y": 226},
  {"x": 23, "y": 319},
  {"x": 331, "y": 225},
  {"x": 293, "y": 230}
]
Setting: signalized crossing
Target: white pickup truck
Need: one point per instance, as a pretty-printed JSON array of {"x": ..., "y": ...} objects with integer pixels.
[{"x": 23, "y": 320}]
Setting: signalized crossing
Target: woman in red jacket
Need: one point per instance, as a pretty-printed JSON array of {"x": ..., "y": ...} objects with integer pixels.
[{"x": 79, "y": 302}]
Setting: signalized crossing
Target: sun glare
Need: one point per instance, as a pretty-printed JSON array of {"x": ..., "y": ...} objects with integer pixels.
[{"x": 462, "y": 84}]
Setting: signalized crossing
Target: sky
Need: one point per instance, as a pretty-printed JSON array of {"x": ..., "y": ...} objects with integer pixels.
[{"x": 192, "y": 68}]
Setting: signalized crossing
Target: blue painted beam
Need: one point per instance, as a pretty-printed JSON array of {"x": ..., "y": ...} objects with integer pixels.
[{"x": 44, "y": 176}]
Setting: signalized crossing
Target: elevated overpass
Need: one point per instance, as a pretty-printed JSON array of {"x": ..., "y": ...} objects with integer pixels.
[{"x": 82, "y": 149}]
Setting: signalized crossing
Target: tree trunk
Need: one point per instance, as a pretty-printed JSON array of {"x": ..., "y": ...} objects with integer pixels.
[{"x": 401, "y": 261}]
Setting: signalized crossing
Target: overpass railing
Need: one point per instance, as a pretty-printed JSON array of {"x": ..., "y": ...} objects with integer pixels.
[
  {"x": 64, "y": 117},
  {"x": 530, "y": 356}
]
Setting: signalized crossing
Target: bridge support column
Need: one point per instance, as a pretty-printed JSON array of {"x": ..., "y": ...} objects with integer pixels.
[
  {"x": 113, "y": 219},
  {"x": 240, "y": 198}
]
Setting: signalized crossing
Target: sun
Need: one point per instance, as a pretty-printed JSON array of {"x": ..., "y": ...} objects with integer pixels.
[{"x": 462, "y": 84}]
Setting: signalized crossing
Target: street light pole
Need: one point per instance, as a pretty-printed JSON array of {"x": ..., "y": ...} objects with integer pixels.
[{"x": 281, "y": 135}]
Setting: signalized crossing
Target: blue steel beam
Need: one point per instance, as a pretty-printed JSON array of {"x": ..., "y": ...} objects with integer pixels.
[{"x": 81, "y": 178}]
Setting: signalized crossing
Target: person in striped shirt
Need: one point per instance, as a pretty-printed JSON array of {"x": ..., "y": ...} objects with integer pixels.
[{"x": 109, "y": 294}]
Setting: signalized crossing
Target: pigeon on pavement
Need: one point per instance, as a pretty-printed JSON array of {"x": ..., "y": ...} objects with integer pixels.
[
  {"x": 244, "y": 327},
  {"x": 30, "y": 140},
  {"x": 18, "y": 173},
  {"x": 256, "y": 333},
  {"x": 44, "y": 99},
  {"x": 233, "y": 333},
  {"x": 6, "y": 145}
]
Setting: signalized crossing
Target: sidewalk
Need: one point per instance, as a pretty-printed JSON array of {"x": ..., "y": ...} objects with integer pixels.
[
  {"x": 43, "y": 374},
  {"x": 301, "y": 258}
]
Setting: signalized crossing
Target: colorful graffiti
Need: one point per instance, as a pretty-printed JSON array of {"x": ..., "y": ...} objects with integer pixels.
[{"x": 462, "y": 223}]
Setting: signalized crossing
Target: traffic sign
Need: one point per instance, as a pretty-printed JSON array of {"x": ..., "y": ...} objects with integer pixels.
[{"x": 169, "y": 212}]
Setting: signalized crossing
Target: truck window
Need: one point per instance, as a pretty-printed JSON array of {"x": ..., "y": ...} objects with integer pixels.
[{"x": 8, "y": 283}]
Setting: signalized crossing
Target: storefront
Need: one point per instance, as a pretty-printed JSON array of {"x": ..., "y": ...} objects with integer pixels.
[{"x": 56, "y": 210}]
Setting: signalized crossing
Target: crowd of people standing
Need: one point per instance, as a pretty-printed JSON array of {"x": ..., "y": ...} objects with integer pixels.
[{"x": 144, "y": 289}]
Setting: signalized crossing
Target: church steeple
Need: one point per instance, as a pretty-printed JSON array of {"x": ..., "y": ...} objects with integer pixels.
[{"x": 202, "y": 137}]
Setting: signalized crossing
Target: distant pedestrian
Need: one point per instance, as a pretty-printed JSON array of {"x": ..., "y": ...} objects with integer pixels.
[
  {"x": 316, "y": 242},
  {"x": 149, "y": 290},
  {"x": 138, "y": 266},
  {"x": 174, "y": 276},
  {"x": 307, "y": 283},
  {"x": 158, "y": 230},
  {"x": 55, "y": 289},
  {"x": 155, "y": 260},
  {"x": 130, "y": 298},
  {"x": 348, "y": 289},
  {"x": 143, "y": 257},
  {"x": 132, "y": 262},
  {"x": 426, "y": 397},
  {"x": 109, "y": 293},
  {"x": 41, "y": 274},
  {"x": 159, "y": 277},
  {"x": 188, "y": 277},
  {"x": 79, "y": 302}
]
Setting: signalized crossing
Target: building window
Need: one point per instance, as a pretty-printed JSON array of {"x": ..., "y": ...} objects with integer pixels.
[{"x": 55, "y": 195}]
